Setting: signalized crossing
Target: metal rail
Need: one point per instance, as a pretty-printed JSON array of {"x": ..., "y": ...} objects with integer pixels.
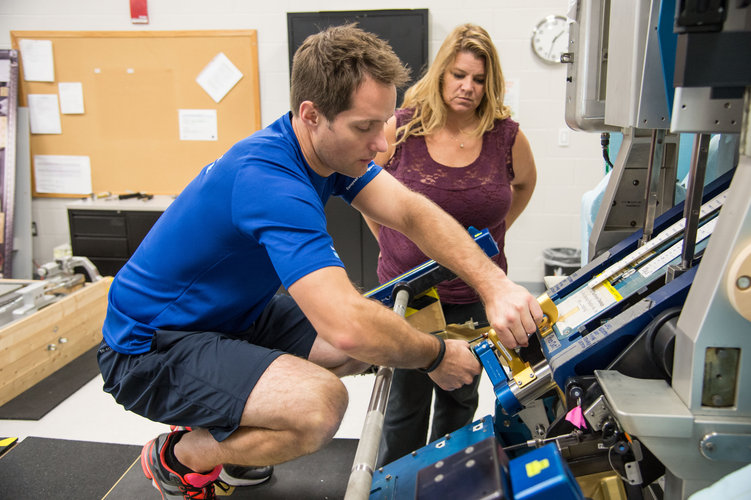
[{"x": 361, "y": 477}]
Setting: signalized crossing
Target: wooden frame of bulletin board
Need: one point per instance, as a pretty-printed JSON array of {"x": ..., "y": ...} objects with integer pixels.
[{"x": 134, "y": 84}]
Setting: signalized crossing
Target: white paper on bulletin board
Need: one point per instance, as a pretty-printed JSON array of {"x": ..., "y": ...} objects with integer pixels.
[
  {"x": 71, "y": 98},
  {"x": 44, "y": 114},
  {"x": 218, "y": 77},
  {"x": 197, "y": 124},
  {"x": 38, "y": 65},
  {"x": 62, "y": 174}
]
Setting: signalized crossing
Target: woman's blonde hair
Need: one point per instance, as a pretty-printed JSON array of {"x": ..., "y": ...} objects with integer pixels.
[{"x": 426, "y": 97}]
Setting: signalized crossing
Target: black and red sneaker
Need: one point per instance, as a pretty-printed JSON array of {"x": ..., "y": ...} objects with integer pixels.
[
  {"x": 237, "y": 475},
  {"x": 170, "y": 483}
]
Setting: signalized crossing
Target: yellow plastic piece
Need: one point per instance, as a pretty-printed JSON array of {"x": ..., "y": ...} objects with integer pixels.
[{"x": 536, "y": 466}]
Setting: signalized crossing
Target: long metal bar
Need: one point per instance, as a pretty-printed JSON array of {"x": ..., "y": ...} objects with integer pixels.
[
  {"x": 361, "y": 477},
  {"x": 656, "y": 150},
  {"x": 693, "y": 197}
]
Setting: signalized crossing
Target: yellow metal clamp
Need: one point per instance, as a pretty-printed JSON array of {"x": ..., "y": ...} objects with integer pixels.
[{"x": 550, "y": 314}]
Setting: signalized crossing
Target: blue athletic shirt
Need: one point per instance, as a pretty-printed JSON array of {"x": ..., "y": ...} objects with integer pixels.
[{"x": 250, "y": 221}]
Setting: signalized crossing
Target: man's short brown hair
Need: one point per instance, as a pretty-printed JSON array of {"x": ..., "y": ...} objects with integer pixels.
[{"x": 330, "y": 65}]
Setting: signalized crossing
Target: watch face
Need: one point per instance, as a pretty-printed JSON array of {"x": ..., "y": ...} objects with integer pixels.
[{"x": 550, "y": 38}]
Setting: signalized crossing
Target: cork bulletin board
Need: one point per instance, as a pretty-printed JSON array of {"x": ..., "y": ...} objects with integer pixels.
[{"x": 134, "y": 86}]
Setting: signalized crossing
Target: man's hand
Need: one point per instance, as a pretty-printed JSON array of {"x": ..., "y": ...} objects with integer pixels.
[
  {"x": 513, "y": 314},
  {"x": 459, "y": 366}
]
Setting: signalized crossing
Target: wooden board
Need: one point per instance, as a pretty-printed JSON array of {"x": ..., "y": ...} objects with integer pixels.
[
  {"x": 25, "y": 358},
  {"x": 134, "y": 83}
]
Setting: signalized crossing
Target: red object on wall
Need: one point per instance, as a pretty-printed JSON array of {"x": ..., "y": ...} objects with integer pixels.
[{"x": 139, "y": 11}]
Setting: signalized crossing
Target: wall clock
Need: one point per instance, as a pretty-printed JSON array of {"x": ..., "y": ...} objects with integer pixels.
[{"x": 550, "y": 38}]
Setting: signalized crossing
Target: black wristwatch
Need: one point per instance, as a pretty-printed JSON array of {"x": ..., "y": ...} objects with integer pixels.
[{"x": 438, "y": 359}]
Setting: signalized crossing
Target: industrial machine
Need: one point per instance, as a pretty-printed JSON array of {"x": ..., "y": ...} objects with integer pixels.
[
  {"x": 637, "y": 375},
  {"x": 20, "y": 298}
]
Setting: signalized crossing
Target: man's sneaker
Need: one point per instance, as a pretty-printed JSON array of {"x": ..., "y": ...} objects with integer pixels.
[
  {"x": 169, "y": 483},
  {"x": 237, "y": 475}
]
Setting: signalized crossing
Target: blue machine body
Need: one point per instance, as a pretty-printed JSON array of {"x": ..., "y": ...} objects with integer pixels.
[{"x": 450, "y": 467}]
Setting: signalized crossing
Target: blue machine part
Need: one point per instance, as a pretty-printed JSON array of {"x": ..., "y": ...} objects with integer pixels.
[
  {"x": 628, "y": 245},
  {"x": 628, "y": 282},
  {"x": 384, "y": 292},
  {"x": 578, "y": 345},
  {"x": 542, "y": 474},
  {"x": 581, "y": 355},
  {"x": 592, "y": 343},
  {"x": 398, "y": 479},
  {"x": 470, "y": 464},
  {"x": 498, "y": 377},
  {"x": 581, "y": 346}
]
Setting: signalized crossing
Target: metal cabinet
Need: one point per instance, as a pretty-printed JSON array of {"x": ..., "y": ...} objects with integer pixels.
[{"x": 108, "y": 237}]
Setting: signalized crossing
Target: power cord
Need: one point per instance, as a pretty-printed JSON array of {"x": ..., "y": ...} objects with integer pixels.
[{"x": 605, "y": 143}]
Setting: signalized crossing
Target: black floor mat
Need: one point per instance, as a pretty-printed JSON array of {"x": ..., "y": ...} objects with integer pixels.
[
  {"x": 58, "y": 468},
  {"x": 37, "y": 401},
  {"x": 322, "y": 475}
]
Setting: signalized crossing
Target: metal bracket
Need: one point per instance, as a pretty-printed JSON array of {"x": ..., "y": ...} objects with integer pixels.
[
  {"x": 596, "y": 413},
  {"x": 726, "y": 447},
  {"x": 525, "y": 377},
  {"x": 633, "y": 473}
]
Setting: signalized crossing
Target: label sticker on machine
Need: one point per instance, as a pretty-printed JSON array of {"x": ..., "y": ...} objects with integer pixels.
[
  {"x": 582, "y": 305},
  {"x": 552, "y": 343}
]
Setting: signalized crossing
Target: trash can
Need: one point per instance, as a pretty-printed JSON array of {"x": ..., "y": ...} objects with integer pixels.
[{"x": 561, "y": 261}]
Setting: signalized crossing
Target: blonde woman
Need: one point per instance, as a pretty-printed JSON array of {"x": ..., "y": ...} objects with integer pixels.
[{"x": 452, "y": 140}]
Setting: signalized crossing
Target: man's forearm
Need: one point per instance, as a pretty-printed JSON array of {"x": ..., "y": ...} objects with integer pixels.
[{"x": 385, "y": 338}]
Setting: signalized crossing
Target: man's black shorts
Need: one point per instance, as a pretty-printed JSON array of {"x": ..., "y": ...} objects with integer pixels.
[{"x": 203, "y": 379}]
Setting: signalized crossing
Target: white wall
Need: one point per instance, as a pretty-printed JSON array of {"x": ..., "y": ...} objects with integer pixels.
[{"x": 564, "y": 173}]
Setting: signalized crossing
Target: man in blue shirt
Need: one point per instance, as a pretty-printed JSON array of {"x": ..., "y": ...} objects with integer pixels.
[{"x": 195, "y": 334}]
